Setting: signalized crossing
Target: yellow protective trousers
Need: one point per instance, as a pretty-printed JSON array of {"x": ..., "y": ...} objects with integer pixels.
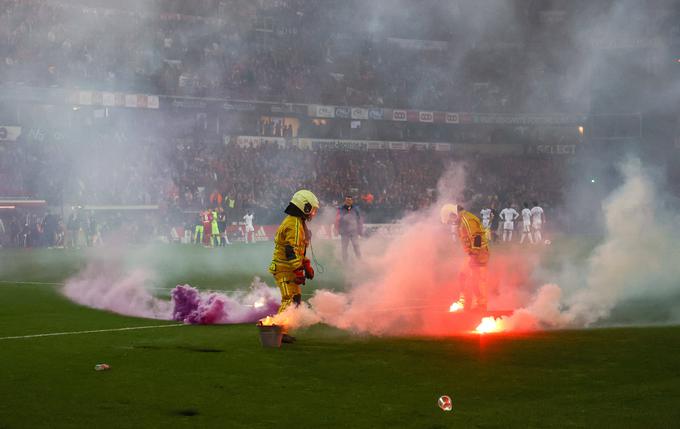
[
  {"x": 473, "y": 280},
  {"x": 291, "y": 292}
]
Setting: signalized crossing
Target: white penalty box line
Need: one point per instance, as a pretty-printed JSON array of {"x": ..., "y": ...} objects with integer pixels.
[{"x": 93, "y": 331}]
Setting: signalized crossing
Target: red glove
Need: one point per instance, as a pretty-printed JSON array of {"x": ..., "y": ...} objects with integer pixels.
[
  {"x": 309, "y": 271},
  {"x": 299, "y": 276}
]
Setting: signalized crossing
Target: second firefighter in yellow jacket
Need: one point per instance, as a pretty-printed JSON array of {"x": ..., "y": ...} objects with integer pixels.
[
  {"x": 290, "y": 265},
  {"x": 473, "y": 238}
]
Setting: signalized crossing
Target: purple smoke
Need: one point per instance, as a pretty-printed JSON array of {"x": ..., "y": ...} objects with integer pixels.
[
  {"x": 186, "y": 300},
  {"x": 194, "y": 307},
  {"x": 106, "y": 286}
]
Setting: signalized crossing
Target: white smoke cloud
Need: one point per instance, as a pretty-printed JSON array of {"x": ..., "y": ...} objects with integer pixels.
[
  {"x": 107, "y": 284},
  {"x": 102, "y": 286},
  {"x": 636, "y": 260}
]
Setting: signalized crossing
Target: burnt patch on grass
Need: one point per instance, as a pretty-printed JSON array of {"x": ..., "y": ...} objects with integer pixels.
[
  {"x": 149, "y": 347},
  {"x": 186, "y": 412}
]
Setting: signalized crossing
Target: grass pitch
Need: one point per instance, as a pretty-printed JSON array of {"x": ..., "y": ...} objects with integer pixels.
[{"x": 220, "y": 376}]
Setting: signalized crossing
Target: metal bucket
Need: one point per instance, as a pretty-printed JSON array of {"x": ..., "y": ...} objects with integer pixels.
[{"x": 270, "y": 335}]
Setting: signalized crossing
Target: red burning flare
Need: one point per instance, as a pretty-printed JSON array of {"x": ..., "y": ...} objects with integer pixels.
[
  {"x": 489, "y": 325},
  {"x": 457, "y": 306}
]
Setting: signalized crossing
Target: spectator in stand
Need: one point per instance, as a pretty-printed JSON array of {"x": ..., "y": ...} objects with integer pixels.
[{"x": 216, "y": 199}]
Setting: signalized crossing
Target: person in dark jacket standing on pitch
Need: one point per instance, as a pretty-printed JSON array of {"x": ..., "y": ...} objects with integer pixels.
[{"x": 350, "y": 225}]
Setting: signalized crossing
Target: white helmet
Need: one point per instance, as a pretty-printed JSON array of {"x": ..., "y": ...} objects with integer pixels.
[
  {"x": 446, "y": 211},
  {"x": 306, "y": 201}
]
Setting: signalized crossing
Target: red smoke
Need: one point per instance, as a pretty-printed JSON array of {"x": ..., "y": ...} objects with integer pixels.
[{"x": 405, "y": 284}]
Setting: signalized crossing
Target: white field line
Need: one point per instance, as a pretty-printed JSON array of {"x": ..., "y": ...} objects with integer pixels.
[
  {"x": 56, "y": 334},
  {"x": 12, "y": 283}
]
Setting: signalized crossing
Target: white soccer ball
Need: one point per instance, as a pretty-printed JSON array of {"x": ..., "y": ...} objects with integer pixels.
[{"x": 547, "y": 242}]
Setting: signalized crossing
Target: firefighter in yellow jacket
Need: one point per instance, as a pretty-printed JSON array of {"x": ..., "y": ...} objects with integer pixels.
[
  {"x": 290, "y": 265},
  {"x": 472, "y": 236}
]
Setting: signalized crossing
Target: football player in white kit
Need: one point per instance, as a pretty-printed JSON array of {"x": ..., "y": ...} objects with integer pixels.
[
  {"x": 508, "y": 214},
  {"x": 486, "y": 221},
  {"x": 526, "y": 224},
  {"x": 537, "y": 220},
  {"x": 248, "y": 219}
]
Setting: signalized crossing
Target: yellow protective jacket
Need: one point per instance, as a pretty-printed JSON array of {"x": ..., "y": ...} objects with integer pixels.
[
  {"x": 290, "y": 245},
  {"x": 473, "y": 237}
]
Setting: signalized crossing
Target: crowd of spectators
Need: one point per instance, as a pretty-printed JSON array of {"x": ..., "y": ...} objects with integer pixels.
[
  {"x": 340, "y": 53},
  {"x": 430, "y": 56},
  {"x": 263, "y": 177},
  {"x": 386, "y": 184},
  {"x": 101, "y": 169},
  {"x": 286, "y": 50}
]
